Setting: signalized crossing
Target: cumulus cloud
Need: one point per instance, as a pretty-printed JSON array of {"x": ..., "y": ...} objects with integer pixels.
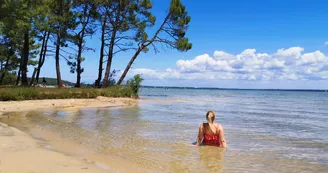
[{"x": 285, "y": 64}]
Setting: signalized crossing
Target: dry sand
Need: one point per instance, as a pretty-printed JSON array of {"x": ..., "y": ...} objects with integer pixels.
[
  {"x": 28, "y": 105},
  {"x": 20, "y": 153}
]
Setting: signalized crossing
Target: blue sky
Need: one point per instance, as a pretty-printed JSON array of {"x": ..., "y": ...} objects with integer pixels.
[{"x": 236, "y": 44}]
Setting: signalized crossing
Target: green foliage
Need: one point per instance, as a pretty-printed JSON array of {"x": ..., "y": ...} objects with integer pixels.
[
  {"x": 179, "y": 19},
  {"x": 171, "y": 33},
  {"x": 135, "y": 84},
  {"x": 16, "y": 94},
  {"x": 9, "y": 78},
  {"x": 85, "y": 16},
  {"x": 125, "y": 24},
  {"x": 17, "y": 29},
  {"x": 6, "y": 53}
]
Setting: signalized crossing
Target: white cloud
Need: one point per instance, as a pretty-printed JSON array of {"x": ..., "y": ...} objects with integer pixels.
[
  {"x": 274, "y": 64},
  {"x": 284, "y": 64},
  {"x": 291, "y": 52},
  {"x": 326, "y": 43},
  {"x": 312, "y": 58}
]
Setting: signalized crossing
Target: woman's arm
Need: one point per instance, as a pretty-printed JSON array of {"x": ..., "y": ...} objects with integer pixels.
[
  {"x": 200, "y": 135},
  {"x": 222, "y": 139}
]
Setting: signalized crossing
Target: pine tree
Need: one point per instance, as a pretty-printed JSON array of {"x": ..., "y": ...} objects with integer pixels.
[
  {"x": 16, "y": 28},
  {"x": 62, "y": 20},
  {"x": 125, "y": 17},
  {"x": 102, "y": 17},
  {"x": 85, "y": 14},
  {"x": 43, "y": 26},
  {"x": 171, "y": 33}
]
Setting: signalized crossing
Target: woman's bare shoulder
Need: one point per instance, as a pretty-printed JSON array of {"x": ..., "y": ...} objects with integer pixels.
[{"x": 219, "y": 126}]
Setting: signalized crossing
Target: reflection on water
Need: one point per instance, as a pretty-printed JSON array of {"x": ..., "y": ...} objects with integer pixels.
[
  {"x": 265, "y": 131},
  {"x": 212, "y": 157}
]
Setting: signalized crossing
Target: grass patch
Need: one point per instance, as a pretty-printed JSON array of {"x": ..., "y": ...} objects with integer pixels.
[{"x": 17, "y": 94}]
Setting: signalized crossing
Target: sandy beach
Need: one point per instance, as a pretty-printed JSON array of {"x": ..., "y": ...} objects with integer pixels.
[
  {"x": 20, "y": 153},
  {"x": 29, "y": 105}
]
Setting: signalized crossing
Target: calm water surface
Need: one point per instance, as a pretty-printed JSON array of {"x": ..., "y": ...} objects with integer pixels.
[{"x": 267, "y": 131}]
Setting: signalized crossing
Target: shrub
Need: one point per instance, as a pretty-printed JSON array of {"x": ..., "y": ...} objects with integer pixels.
[
  {"x": 135, "y": 84},
  {"x": 9, "y": 78}
]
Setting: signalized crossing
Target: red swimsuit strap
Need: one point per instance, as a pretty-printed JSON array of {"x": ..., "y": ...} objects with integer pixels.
[{"x": 216, "y": 128}]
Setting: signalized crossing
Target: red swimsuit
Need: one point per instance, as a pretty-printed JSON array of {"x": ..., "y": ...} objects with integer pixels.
[{"x": 212, "y": 139}]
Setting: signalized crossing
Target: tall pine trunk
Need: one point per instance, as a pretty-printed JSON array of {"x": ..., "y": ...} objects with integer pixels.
[
  {"x": 142, "y": 47},
  {"x": 33, "y": 75},
  {"x": 100, "y": 69},
  {"x": 42, "y": 54},
  {"x": 80, "y": 46},
  {"x": 119, "y": 82},
  {"x": 57, "y": 57},
  {"x": 25, "y": 58},
  {"x": 78, "y": 68},
  {"x": 110, "y": 58}
]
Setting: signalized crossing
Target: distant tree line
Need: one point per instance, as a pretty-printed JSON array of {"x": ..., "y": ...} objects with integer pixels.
[{"x": 32, "y": 30}]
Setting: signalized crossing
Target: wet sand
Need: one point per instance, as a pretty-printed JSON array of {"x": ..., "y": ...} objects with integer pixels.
[{"x": 21, "y": 153}]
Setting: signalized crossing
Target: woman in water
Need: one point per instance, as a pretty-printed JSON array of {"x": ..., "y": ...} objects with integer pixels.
[{"x": 211, "y": 133}]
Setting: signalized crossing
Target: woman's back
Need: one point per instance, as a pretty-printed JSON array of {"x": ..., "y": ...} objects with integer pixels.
[{"x": 211, "y": 134}]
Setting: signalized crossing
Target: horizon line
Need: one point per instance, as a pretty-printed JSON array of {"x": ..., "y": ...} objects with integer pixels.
[{"x": 219, "y": 88}]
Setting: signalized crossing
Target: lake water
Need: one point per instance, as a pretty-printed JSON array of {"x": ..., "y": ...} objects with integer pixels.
[{"x": 266, "y": 131}]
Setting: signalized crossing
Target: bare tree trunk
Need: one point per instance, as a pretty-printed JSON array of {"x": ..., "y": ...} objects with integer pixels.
[
  {"x": 100, "y": 69},
  {"x": 129, "y": 66},
  {"x": 33, "y": 75},
  {"x": 18, "y": 75},
  {"x": 57, "y": 58},
  {"x": 142, "y": 47},
  {"x": 25, "y": 58},
  {"x": 110, "y": 58},
  {"x": 78, "y": 68},
  {"x": 111, "y": 48},
  {"x": 42, "y": 54}
]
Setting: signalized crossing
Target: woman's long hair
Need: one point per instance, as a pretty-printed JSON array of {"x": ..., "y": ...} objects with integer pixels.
[{"x": 210, "y": 116}]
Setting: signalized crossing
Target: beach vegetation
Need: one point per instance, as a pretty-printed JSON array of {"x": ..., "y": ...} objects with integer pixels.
[
  {"x": 31, "y": 32},
  {"x": 135, "y": 84},
  {"x": 24, "y": 93}
]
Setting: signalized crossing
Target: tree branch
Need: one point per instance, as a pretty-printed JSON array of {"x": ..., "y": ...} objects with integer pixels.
[{"x": 157, "y": 32}]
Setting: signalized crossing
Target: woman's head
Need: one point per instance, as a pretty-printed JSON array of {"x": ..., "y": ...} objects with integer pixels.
[{"x": 210, "y": 116}]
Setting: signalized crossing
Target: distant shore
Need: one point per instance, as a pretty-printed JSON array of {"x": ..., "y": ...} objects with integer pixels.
[{"x": 241, "y": 89}]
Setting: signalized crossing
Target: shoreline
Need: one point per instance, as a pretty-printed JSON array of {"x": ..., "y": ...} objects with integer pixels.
[
  {"x": 19, "y": 148},
  {"x": 29, "y": 105}
]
